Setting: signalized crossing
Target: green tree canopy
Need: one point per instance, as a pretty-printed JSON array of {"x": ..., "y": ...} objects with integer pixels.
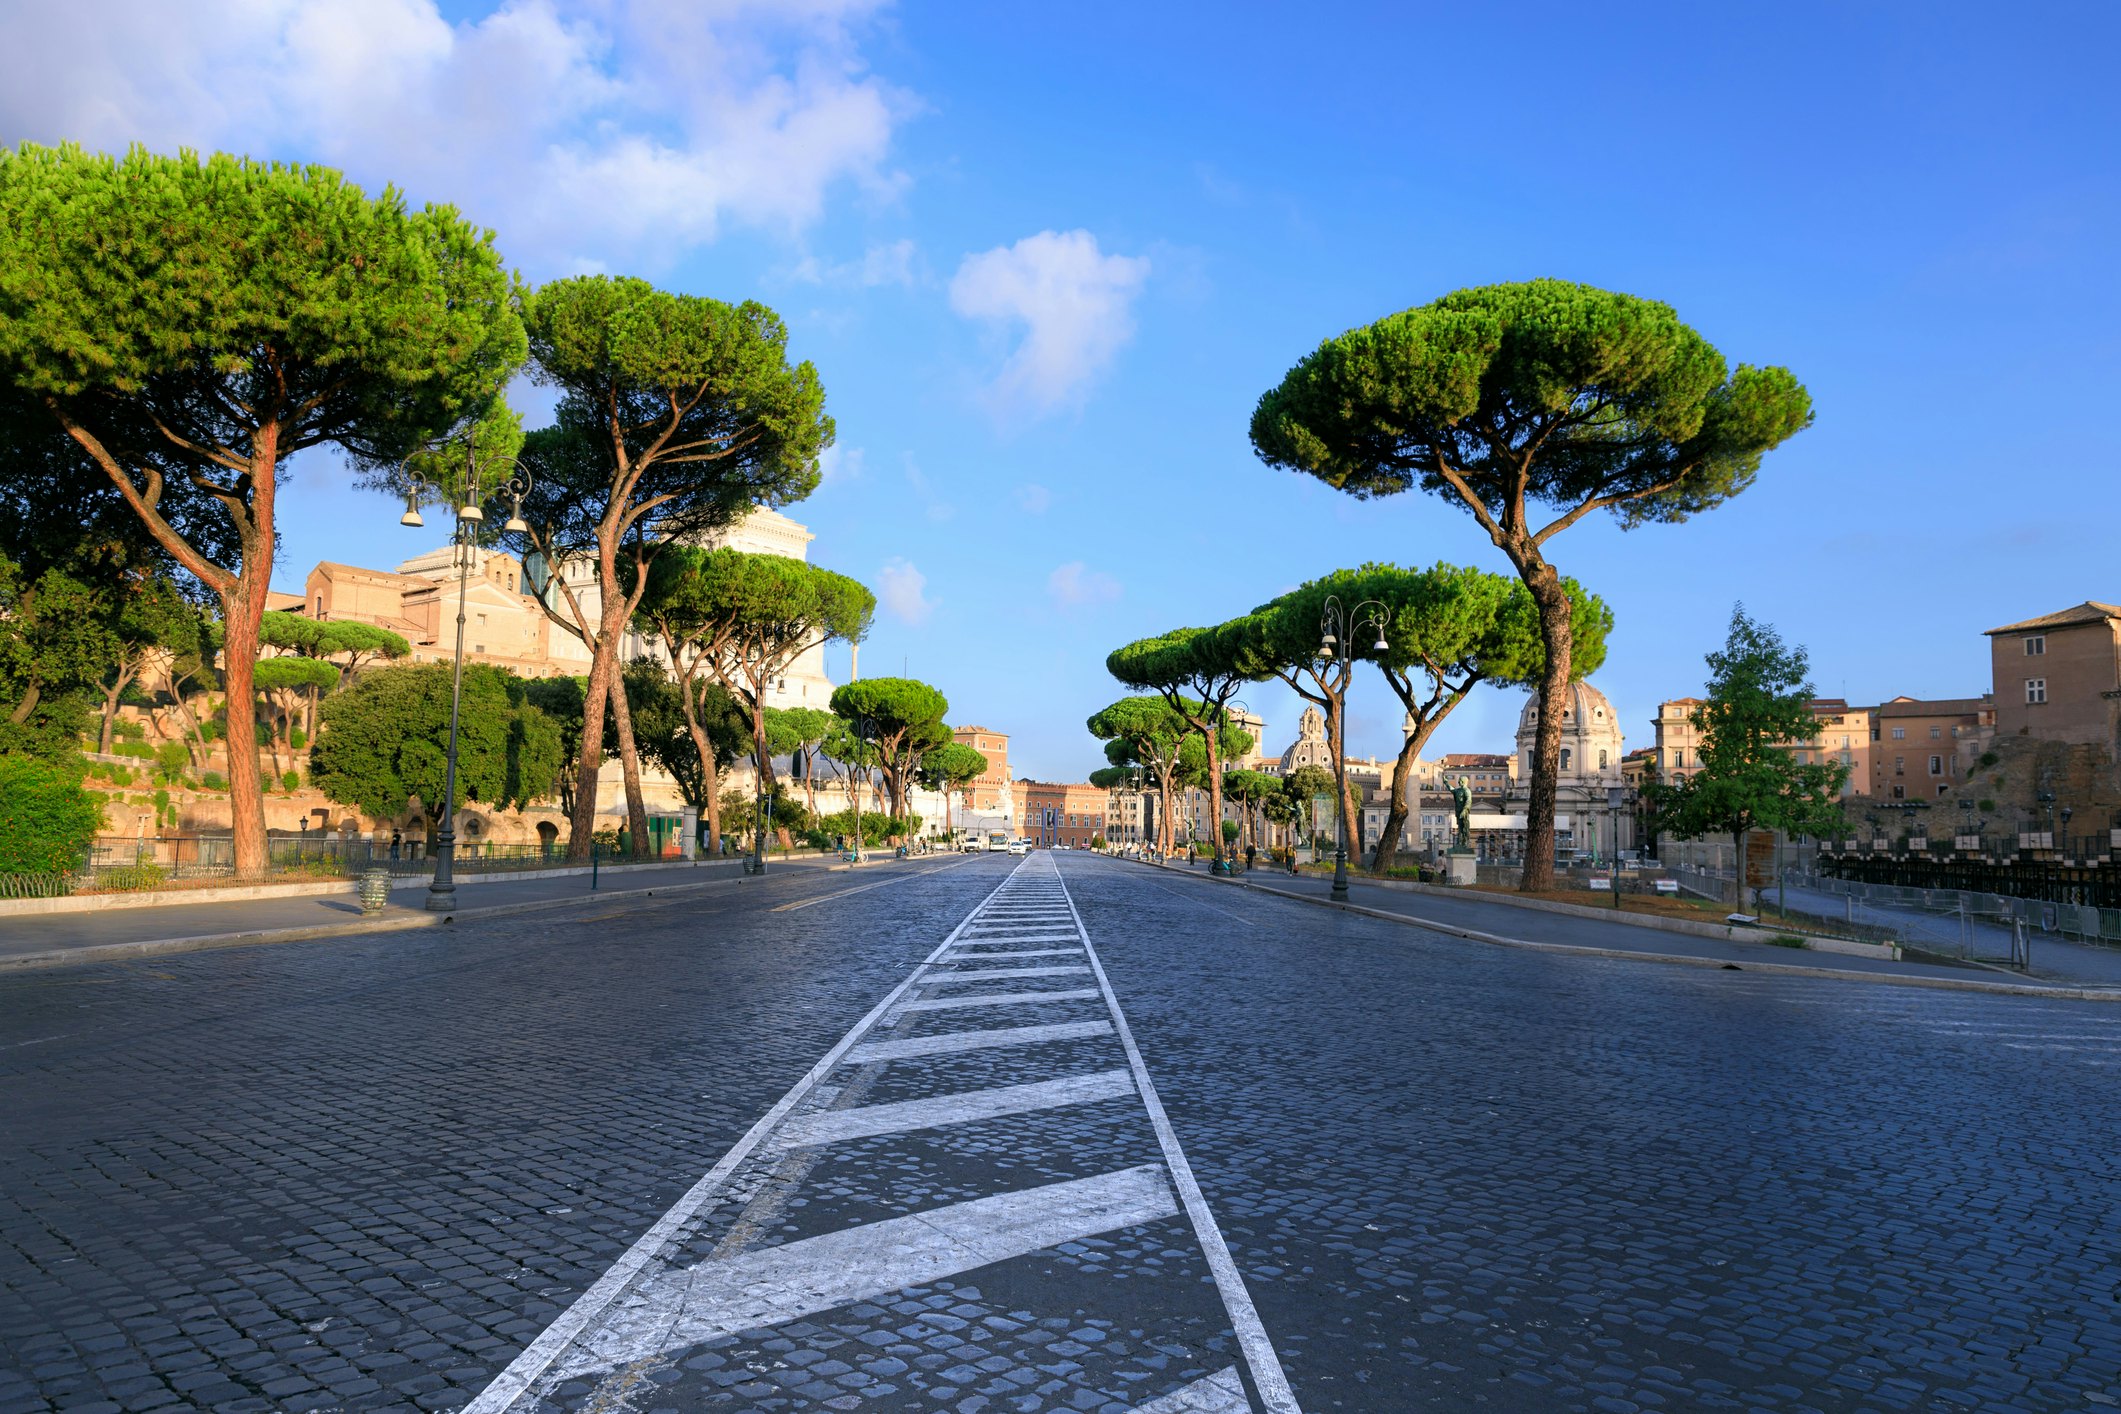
[
  {"x": 1197, "y": 671},
  {"x": 47, "y": 821},
  {"x": 386, "y": 738},
  {"x": 1758, "y": 707},
  {"x": 192, "y": 323},
  {"x": 677, "y": 414},
  {"x": 1146, "y": 732},
  {"x": 57, "y": 640},
  {"x": 948, "y": 768},
  {"x": 1508, "y": 398},
  {"x": 737, "y": 619},
  {"x": 901, "y": 719}
]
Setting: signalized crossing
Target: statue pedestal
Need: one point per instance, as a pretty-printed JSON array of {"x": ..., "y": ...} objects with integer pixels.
[{"x": 1459, "y": 869}]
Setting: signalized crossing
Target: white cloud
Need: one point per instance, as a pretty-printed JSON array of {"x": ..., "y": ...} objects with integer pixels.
[
  {"x": 1034, "y": 498},
  {"x": 1074, "y": 302},
  {"x": 895, "y": 264},
  {"x": 839, "y": 463},
  {"x": 587, "y": 132},
  {"x": 903, "y": 591},
  {"x": 1075, "y": 585}
]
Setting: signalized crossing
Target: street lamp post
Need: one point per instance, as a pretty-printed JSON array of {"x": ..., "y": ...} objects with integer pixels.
[
  {"x": 1333, "y": 625},
  {"x": 470, "y": 514}
]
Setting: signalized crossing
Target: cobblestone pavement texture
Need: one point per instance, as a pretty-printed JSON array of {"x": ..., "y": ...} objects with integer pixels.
[
  {"x": 363, "y": 1174},
  {"x": 1492, "y": 914}
]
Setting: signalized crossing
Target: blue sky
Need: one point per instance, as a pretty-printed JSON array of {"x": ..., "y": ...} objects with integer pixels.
[{"x": 1047, "y": 257}]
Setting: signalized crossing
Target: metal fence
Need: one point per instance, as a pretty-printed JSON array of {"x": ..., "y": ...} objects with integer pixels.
[
  {"x": 131, "y": 865},
  {"x": 1972, "y": 914}
]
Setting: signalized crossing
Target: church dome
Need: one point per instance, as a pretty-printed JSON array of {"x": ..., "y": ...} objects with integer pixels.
[{"x": 1590, "y": 735}]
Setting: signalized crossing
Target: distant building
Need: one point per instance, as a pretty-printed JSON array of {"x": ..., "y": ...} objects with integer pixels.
[
  {"x": 1845, "y": 736},
  {"x": 1050, "y": 813},
  {"x": 1921, "y": 750},
  {"x": 990, "y": 791},
  {"x": 2058, "y": 677}
]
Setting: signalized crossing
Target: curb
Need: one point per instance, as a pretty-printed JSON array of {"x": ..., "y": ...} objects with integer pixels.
[
  {"x": 1783, "y": 969},
  {"x": 205, "y": 942}
]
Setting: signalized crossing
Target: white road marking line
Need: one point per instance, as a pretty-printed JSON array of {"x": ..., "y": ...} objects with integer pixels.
[
  {"x": 2029, "y": 1046},
  {"x": 842, "y": 893},
  {"x": 1267, "y": 1374},
  {"x": 867, "y": 1121},
  {"x": 962, "y": 956},
  {"x": 1047, "y": 935},
  {"x": 771, "y": 1285},
  {"x": 514, "y": 1382},
  {"x": 951, "y": 1042},
  {"x": 988, "y": 974},
  {"x": 998, "y": 999},
  {"x": 1220, "y": 1393}
]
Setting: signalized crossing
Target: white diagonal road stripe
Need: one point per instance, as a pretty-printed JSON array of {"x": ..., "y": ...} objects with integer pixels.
[
  {"x": 831, "y": 1126},
  {"x": 953, "y": 1041}
]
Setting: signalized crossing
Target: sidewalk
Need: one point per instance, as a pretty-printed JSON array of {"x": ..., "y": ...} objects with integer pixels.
[
  {"x": 1495, "y": 919},
  {"x": 106, "y": 934}
]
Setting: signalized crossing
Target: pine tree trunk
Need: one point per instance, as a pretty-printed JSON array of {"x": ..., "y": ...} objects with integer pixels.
[
  {"x": 629, "y": 764},
  {"x": 1555, "y": 631}
]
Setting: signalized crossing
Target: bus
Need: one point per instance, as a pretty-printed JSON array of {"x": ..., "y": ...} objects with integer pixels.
[{"x": 997, "y": 841}]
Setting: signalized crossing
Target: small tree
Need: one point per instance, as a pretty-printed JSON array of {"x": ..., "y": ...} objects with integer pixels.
[
  {"x": 386, "y": 738},
  {"x": 740, "y": 619},
  {"x": 949, "y": 768},
  {"x": 677, "y": 415},
  {"x": 192, "y": 324},
  {"x": 801, "y": 732},
  {"x": 1145, "y": 733},
  {"x": 1511, "y": 397},
  {"x": 1303, "y": 786},
  {"x": 285, "y": 684},
  {"x": 1196, "y": 671},
  {"x": 47, "y": 821},
  {"x": 1759, "y": 707},
  {"x": 902, "y": 720}
]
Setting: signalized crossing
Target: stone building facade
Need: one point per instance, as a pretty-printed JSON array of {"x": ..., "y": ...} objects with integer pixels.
[{"x": 2058, "y": 677}]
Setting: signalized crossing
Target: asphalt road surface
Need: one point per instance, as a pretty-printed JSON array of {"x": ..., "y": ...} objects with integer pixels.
[{"x": 1048, "y": 1134}]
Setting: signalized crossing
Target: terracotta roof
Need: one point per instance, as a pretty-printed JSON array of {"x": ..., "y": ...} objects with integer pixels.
[
  {"x": 1934, "y": 707},
  {"x": 2091, "y": 611}
]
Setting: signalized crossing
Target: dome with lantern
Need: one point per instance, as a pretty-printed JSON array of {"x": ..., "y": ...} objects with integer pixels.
[{"x": 1590, "y": 738}]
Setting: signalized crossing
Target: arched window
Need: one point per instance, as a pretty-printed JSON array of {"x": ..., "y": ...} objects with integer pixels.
[
  {"x": 1564, "y": 758},
  {"x": 1601, "y": 760}
]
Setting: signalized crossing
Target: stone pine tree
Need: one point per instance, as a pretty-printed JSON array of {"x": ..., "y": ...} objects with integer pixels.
[
  {"x": 1144, "y": 733},
  {"x": 949, "y": 768},
  {"x": 1196, "y": 671},
  {"x": 739, "y": 619},
  {"x": 677, "y": 415},
  {"x": 1757, "y": 711},
  {"x": 900, "y": 720},
  {"x": 192, "y": 323},
  {"x": 1532, "y": 406},
  {"x": 1450, "y": 629}
]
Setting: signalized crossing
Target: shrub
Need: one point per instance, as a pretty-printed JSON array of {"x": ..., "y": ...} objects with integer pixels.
[
  {"x": 1989, "y": 758},
  {"x": 47, "y": 820},
  {"x": 291, "y": 782},
  {"x": 171, "y": 761},
  {"x": 129, "y": 877},
  {"x": 126, "y": 729},
  {"x": 138, "y": 749},
  {"x": 1987, "y": 807},
  {"x": 1785, "y": 940},
  {"x": 1097, "y": 841},
  {"x": 213, "y": 780},
  {"x": 297, "y": 738},
  {"x": 119, "y": 775}
]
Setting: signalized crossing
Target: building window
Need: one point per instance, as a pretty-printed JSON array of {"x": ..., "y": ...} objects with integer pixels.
[
  {"x": 2036, "y": 690},
  {"x": 1804, "y": 758},
  {"x": 1936, "y": 733},
  {"x": 1900, "y": 792},
  {"x": 1564, "y": 758},
  {"x": 1899, "y": 733},
  {"x": 1601, "y": 760},
  {"x": 1936, "y": 765},
  {"x": 1899, "y": 765},
  {"x": 2036, "y": 645}
]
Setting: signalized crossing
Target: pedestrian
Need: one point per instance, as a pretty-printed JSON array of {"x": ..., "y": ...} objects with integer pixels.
[
  {"x": 1251, "y": 856},
  {"x": 397, "y": 843}
]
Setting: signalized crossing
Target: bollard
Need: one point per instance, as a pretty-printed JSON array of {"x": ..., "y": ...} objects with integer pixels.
[{"x": 593, "y": 851}]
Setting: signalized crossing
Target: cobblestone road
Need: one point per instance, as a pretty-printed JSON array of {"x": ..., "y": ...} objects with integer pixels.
[{"x": 369, "y": 1174}]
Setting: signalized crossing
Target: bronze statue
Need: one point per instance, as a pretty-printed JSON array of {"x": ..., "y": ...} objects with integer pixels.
[{"x": 1462, "y": 802}]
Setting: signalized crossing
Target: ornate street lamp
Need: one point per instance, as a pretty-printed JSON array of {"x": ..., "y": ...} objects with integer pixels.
[
  {"x": 470, "y": 515},
  {"x": 1334, "y": 623}
]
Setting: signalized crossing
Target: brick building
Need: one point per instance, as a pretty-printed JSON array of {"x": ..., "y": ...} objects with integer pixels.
[
  {"x": 987, "y": 792},
  {"x": 1050, "y": 813},
  {"x": 1921, "y": 750},
  {"x": 2058, "y": 677}
]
